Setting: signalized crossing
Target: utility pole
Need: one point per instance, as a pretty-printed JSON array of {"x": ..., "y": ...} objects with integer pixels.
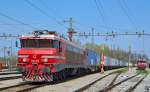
[
  {"x": 92, "y": 40},
  {"x": 143, "y": 41},
  {"x": 129, "y": 57},
  {"x": 70, "y": 28},
  {"x": 70, "y": 22},
  {"x": 5, "y": 56},
  {"x": 118, "y": 54},
  {"x": 11, "y": 48},
  {"x": 8, "y": 60}
]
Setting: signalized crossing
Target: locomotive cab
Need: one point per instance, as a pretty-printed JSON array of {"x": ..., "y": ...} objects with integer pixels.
[
  {"x": 38, "y": 56},
  {"x": 141, "y": 64}
]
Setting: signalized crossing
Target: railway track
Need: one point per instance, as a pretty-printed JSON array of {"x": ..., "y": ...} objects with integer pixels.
[
  {"x": 111, "y": 82},
  {"x": 139, "y": 78},
  {"x": 7, "y": 73},
  {"x": 113, "y": 85},
  {"x": 132, "y": 83},
  {"x": 89, "y": 85},
  {"x": 24, "y": 86},
  {"x": 134, "y": 86},
  {"x": 27, "y": 86},
  {"x": 9, "y": 78}
]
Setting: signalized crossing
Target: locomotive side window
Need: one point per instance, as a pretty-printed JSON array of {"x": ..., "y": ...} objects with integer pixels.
[{"x": 73, "y": 54}]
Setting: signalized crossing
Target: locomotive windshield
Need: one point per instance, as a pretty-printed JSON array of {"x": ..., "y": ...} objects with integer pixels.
[
  {"x": 39, "y": 43},
  {"x": 141, "y": 61}
]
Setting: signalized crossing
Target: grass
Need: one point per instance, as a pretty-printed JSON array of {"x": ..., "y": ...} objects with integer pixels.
[
  {"x": 142, "y": 72},
  {"x": 123, "y": 70},
  {"x": 148, "y": 71}
]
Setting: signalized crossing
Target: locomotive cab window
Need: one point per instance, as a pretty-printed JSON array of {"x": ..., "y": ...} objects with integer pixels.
[
  {"x": 55, "y": 43},
  {"x": 141, "y": 62},
  {"x": 39, "y": 43},
  {"x": 45, "y": 43},
  {"x": 30, "y": 43}
]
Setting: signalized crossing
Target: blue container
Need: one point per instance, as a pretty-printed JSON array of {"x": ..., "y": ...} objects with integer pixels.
[
  {"x": 92, "y": 57},
  {"x": 107, "y": 61}
]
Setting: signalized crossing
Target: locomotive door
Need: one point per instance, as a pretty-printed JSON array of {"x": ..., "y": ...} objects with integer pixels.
[{"x": 61, "y": 51}]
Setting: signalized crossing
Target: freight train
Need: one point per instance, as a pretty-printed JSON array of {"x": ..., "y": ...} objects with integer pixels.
[
  {"x": 46, "y": 56},
  {"x": 111, "y": 63}
]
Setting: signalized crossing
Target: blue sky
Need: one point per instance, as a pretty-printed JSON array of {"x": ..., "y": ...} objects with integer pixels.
[{"x": 85, "y": 16}]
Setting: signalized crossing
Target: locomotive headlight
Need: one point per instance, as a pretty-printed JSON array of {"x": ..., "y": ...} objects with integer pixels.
[
  {"x": 45, "y": 60},
  {"x": 24, "y": 59}
]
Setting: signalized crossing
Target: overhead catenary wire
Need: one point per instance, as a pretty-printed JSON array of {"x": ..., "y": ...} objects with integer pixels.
[
  {"x": 113, "y": 34},
  {"x": 51, "y": 9},
  {"x": 130, "y": 12},
  {"x": 98, "y": 27},
  {"x": 56, "y": 14},
  {"x": 15, "y": 20},
  {"x": 43, "y": 12},
  {"x": 100, "y": 10},
  {"x": 126, "y": 11},
  {"x": 12, "y": 24}
]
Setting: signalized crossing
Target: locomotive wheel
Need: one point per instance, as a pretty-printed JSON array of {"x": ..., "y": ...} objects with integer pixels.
[
  {"x": 23, "y": 78},
  {"x": 55, "y": 77}
]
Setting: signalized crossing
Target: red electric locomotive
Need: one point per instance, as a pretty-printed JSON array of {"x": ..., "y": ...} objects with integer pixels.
[
  {"x": 46, "y": 56},
  {"x": 141, "y": 64}
]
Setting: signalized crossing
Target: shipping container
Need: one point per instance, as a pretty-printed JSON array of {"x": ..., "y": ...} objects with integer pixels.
[
  {"x": 92, "y": 57},
  {"x": 106, "y": 61}
]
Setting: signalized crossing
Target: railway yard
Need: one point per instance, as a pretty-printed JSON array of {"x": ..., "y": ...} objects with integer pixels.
[
  {"x": 74, "y": 46},
  {"x": 117, "y": 80}
]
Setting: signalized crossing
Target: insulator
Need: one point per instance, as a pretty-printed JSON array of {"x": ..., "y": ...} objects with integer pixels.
[{"x": 137, "y": 33}]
